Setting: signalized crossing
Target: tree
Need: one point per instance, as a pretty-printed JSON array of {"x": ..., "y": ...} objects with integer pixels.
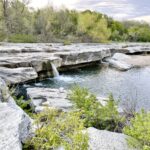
[{"x": 94, "y": 25}]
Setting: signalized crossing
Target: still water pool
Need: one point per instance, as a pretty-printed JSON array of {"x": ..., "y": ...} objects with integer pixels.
[{"x": 132, "y": 86}]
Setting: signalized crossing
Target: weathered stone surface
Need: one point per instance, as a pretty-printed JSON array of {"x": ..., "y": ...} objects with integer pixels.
[
  {"x": 125, "y": 62},
  {"x": 57, "y": 47},
  {"x": 40, "y": 56},
  {"x": 39, "y": 61},
  {"x": 14, "y": 127},
  {"x": 75, "y": 58},
  {"x": 17, "y": 75},
  {"x": 4, "y": 94},
  {"x": 46, "y": 97},
  {"x": 118, "y": 61},
  {"x": 105, "y": 140},
  {"x": 119, "y": 65},
  {"x": 137, "y": 48},
  {"x": 15, "y": 124}
]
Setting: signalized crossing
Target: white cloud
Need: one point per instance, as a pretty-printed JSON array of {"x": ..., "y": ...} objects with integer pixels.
[
  {"x": 56, "y": 3},
  {"x": 119, "y": 9},
  {"x": 142, "y": 18},
  {"x": 67, "y": 3},
  {"x": 38, "y": 3}
]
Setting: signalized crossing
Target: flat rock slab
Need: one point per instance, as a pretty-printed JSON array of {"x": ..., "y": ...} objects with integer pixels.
[
  {"x": 46, "y": 97},
  {"x": 80, "y": 57},
  {"x": 17, "y": 75},
  {"x": 105, "y": 140}
]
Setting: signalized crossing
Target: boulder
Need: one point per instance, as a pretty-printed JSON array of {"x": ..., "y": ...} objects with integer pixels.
[
  {"x": 105, "y": 140},
  {"x": 120, "y": 61},
  {"x": 121, "y": 57},
  {"x": 122, "y": 66},
  {"x": 125, "y": 62},
  {"x": 15, "y": 124},
  {"x": 14, "y": 127},
  {"x": 46, "y": 97}
]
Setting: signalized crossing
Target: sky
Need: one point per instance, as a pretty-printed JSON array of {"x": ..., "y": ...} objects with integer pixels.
[{"x": 118, "y": 9}]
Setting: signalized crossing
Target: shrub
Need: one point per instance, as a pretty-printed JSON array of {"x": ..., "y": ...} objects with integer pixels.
[
  {"x": 25, "y": 105},
  {"x": 67, "y": 42},
  {"x": 2, "y": 36},
  {"x": 94, "y": 113},
  {"x": 57, "y": 129},
  {"x": 22, "y": 38},
  {"x": 140, "y": 130}
]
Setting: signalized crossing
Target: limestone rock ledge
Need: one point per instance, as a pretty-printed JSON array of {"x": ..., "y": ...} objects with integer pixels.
[{"x": 18, "y": 75}]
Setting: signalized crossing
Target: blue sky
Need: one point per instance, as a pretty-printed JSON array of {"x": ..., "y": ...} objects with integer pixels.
[{"x": 118, "y": 9}]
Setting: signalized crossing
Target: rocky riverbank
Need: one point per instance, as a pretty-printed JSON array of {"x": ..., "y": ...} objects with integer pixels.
[
  {"x": 20, "y": 63},
  {"x": 16, "y": 126}
]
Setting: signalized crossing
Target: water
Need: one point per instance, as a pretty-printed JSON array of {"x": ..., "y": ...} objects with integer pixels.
[
  {"x": 55, "y": 71},
  {"x": 131, "y": 86}
]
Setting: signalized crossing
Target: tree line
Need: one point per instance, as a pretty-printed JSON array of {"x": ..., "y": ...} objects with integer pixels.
[{"x": 19, "y": 23}]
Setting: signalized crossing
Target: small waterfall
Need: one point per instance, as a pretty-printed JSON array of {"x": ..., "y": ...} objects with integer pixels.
[{"x": 55, "y": 71}]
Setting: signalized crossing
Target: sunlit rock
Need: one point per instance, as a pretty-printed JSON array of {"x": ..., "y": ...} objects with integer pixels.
[
  {"x": 17, "y": 75},
  {"x": 15, "y": 124},
  {"x": 47, "y": 97},
  {"x": 105, "y": 140}
]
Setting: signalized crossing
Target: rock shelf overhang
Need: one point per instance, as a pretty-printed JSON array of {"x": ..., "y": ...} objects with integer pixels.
[{"x": 21, "y": 63}]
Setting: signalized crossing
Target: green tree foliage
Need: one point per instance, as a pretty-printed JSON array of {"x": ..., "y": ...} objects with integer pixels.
[
  {"x": 139, "y": 33},
  {"x": 94, "y": 113},
  {"x": 22, "y": 38},
  {"x": 2, "y": 23},
  {"x": 140, "y": 130},
  {"x": 118, "y": 30},
  {"x": 57, "y": 129},
  {"x": 50, "y": 25},
  {"x": 94, "y": 25}
]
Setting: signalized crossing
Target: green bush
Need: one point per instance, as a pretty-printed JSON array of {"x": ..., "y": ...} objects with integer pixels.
[
  {"x": 2, "y": 37},
  {"x": 57, "y": 129},
  {"x": 140, "y": 130},
  {"x": 22, "y": 38},
  {"x": 25, "y": 105},
  {"x": 67, "y": 42},
  {"x": 94, "y": 113}
]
